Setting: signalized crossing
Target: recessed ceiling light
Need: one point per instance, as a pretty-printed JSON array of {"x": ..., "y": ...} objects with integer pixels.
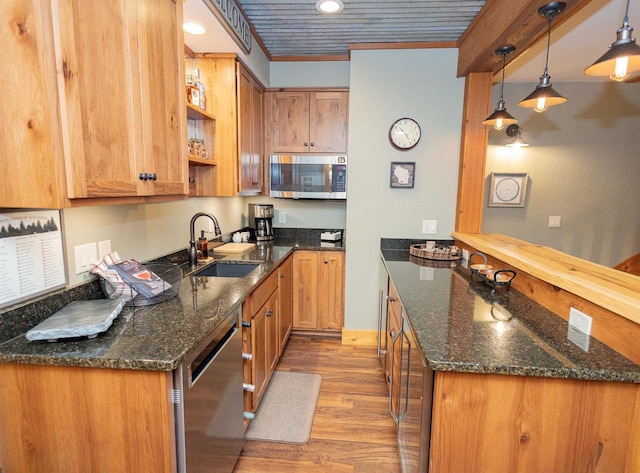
[
  {"x": 329, "y": 6},
  {"x": 194, "y": 28}
]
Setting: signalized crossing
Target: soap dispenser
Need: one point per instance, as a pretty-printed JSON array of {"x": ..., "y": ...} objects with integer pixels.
[{"x": 203, "y": 252}]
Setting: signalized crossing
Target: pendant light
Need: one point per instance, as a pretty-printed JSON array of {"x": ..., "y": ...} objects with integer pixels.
[
  {"x": 500, "y": 117},
  {"x": 544, "y": 96},
  {"x": 622, "y": 58}
]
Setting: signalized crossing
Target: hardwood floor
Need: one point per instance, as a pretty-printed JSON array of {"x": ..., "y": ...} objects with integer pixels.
[{"x": 352, "y": 430}]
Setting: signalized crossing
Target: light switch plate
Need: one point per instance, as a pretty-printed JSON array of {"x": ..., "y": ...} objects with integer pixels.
[
  {"x": 555, "y": 221},
  {"x": 85, "y": 255},
  {"x": 429, "y": 227},
  {"x": 104, "y": 248}
]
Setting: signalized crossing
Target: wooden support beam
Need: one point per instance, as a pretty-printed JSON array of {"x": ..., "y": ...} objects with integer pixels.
[
  {"x": 503, "y": 22},
  {"x": 473, "y": 152}
]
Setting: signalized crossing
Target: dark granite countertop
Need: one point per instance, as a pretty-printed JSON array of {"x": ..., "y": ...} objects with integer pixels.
[
  {"x": 451, "y": 316},
  {"x": 158, "y": 337}
]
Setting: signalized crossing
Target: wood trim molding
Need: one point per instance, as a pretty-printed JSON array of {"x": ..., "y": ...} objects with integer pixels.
[{"x": 363, "y": 338}]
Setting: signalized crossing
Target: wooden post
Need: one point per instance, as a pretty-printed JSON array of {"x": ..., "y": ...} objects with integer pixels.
[{"x": 473, "y": 152}]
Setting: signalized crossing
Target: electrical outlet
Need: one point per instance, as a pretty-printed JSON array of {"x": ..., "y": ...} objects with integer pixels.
[
  {"x": 85, "y": 255},
  {"x": 580, "y": 320},
  {"x": 429, "y": 227},
  {"x": 579, "y": 338},
  {"x": 282, "y": 217}
]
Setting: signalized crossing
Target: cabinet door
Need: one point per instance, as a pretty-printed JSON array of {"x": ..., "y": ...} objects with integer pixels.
[
  {"x": 264, "y": 347},
  {"x": 250, "y": 134},
  {"x": 395, "y": 343},
  {"x": 33, "y": 168},
  {"x": 160, "y": 40},
  {"x": 328, "y": 123},
  {"x": 305, "y": 290},
  {"x": 290, "y": 122},
  {"x": 121, "y": 108},
  {"x": 285, "y": 300},
  {"x": 331, "y": 294}
]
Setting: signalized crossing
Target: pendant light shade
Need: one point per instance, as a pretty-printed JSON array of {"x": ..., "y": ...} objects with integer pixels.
[
  {"x": 515, "y": 132},
  {"x": 623, "y": 56},
  {"x": 544, "y": 95},
  {"x": 500, "y": 117},
  {"x": 517, "y": 142}
]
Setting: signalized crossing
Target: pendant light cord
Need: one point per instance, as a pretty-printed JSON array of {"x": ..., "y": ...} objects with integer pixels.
[
  {"x": 546, "y": 64},
  {"x": 504, "y": 62},
  {"x": 626, "y": 14}
]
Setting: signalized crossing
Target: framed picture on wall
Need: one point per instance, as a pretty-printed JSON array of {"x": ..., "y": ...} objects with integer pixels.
[
  {"x": 508, "y": 189},
  {"x": 402, "y": 175}
]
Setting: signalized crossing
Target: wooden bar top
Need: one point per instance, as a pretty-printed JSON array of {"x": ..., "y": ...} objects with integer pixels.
[{"x": 609, "y": 288}]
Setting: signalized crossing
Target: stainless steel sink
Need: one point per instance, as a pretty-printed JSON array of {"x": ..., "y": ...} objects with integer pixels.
[{"x": 227, "y": 270}]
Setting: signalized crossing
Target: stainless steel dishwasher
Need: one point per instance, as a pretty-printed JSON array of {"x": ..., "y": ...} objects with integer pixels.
[{"x": 209, "y": 403}]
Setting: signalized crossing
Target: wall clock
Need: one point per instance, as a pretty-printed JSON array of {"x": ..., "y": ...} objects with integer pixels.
[
  {"x": 404, "y": 134},
  {"x": 507, "y": 189}
]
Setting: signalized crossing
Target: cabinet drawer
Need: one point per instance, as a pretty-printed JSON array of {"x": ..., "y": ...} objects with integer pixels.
[{"x": 260, "y": 295}]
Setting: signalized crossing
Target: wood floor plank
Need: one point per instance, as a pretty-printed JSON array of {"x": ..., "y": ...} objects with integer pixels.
[{"x": 352, "y": 430}]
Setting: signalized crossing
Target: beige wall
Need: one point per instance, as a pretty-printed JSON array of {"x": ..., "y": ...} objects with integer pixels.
[{"x": 384, "y": 86}]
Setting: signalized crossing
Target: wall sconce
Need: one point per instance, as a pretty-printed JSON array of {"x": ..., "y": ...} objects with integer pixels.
[
  {"x": 544, "y": 96},
  {"x": 515, "y": 131},
  {"x": 622, "y": 58},
  {"x": 500, "y": 117}
]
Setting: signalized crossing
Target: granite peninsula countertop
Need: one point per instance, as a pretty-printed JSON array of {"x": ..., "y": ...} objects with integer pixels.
[
  {"x": 158, "y": 337},
  {"x": 451, "y": 316}
]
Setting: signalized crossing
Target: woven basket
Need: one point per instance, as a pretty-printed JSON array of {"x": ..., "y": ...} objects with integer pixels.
[{"x": 439, "y": 252}]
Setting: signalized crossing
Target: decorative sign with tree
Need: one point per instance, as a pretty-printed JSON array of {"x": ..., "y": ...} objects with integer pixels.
[{"x": 31, "y": 255}]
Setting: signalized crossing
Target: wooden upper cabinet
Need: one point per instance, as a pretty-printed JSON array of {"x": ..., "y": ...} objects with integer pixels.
[
  {"x": 32, "y": 165},
  {"x": 250, "y": 132},
  {"x": 309, "y": 122},
  {"x": 121, "y": 91},
  {"x": 235, "y": 98}
]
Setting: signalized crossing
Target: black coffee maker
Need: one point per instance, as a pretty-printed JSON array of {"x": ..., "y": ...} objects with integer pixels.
[{"x": 261, "y": 220}]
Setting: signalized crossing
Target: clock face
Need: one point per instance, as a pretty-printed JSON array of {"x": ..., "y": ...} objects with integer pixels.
[
  {"x": 404, "y": 134},
  {"x": 507, "y": 189}
]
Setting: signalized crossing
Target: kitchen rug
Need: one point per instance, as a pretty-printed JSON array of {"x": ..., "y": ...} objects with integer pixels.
[{"x": 287, "y": 408}]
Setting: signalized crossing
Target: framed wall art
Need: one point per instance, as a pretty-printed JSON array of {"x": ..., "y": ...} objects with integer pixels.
[
  {"x": 402, "y": 175},
  {"x": 508, "y": 189}
]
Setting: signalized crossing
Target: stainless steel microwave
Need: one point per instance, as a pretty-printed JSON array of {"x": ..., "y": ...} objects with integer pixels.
[{"x": 308, "y": 177}]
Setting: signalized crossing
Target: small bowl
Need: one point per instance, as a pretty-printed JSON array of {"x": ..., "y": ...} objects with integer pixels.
[
  {"x": 481, "y": 267},
  {"x": 226, "y": 238}
]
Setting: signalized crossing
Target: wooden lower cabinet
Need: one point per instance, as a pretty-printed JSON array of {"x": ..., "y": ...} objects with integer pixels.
[
  {"x": 261, "y": 343},
  {"x": 58, "y": 419},
  {"x": 318, "y": 290},
  {"x": 285, "y": 301},
  {"x": 489, "y": 423}
]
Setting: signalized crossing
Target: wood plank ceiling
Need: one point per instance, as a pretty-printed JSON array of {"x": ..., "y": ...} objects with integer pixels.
[{"x": 294, "y": 28}]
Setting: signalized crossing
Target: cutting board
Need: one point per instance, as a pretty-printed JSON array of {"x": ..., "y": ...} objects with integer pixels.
[{"x": 234, "y": 248}]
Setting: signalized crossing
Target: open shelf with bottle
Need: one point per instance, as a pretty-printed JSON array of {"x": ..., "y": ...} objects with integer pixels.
[{"x": 201, "y": 135}]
